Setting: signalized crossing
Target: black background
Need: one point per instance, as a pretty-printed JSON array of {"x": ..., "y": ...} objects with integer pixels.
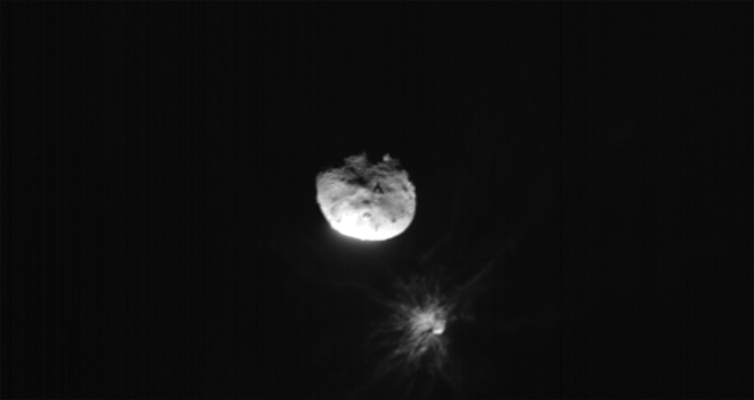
[{"x": 161, "y": 237}]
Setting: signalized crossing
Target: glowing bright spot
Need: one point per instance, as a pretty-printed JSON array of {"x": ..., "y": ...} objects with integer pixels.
[
  {"x": 412, "y": 335},
  {"x": 422, "y": 324},
  {"x": 428, "y": 320},
  {"x": 411, "y": 344}
]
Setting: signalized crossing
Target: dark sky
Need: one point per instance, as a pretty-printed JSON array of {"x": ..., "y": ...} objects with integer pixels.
[{"x": 161, "y": 237}]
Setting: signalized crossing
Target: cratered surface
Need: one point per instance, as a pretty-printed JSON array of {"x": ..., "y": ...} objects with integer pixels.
[{"x": 367, "y": 202}]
